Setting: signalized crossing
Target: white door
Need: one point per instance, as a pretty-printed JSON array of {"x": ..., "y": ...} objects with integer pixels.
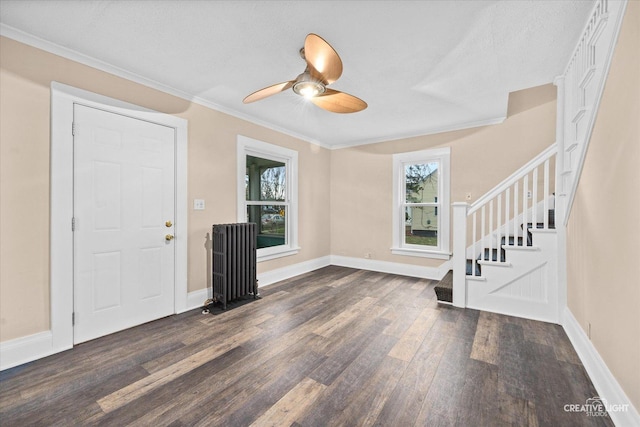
[{"x": 124, "y": 207}]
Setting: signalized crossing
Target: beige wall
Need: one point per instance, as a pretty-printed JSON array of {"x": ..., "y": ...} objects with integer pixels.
[
  {"x": 339, "y": 213},
  {"x": 25, "y": 77},
  {"x": 603, "y": 233},
  {"x": 361, "y": 177}
]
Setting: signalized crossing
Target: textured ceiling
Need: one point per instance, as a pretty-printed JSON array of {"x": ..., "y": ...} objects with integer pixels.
[{"x": 422, "y": 66}]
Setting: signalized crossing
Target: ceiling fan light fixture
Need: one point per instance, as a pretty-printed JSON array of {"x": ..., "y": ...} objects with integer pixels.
[
  {"x": 308, "y": 89},
  {"x": 324, "y": 67}
]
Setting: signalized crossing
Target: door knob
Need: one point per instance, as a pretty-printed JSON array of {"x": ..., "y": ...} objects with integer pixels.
[
  {"x": 168, "y": 224},
  {"x": 168, "y": 237}
]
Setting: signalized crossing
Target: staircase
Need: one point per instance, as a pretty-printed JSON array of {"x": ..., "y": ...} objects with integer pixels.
[
  {"x": 490, "y": 255},
  {"x": 499, "y": 265},
  {"x": 505, "y": 246}
]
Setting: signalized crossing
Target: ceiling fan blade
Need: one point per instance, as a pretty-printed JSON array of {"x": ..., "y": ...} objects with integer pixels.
[
  {"x": 268, "y": 91},
  {"x": 324, "y": 63},
  {"x": 338, "y": 102}
]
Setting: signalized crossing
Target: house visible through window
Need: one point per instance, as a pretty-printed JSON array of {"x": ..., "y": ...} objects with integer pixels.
[
  {"x": 421, "y": 193},
  {"x": 421, "y": 211},
  {"x": 267, "y": 195}
]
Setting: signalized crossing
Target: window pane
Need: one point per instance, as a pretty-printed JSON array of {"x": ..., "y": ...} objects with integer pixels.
[
  {"x": 421, "y": 225},
  {"x": 271, "y": 220},
  {"x": 421, "y": 182},
  {"x": 265, "y": 179}
]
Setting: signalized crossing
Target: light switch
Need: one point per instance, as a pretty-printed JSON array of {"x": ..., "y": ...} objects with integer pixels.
[{"x": 198, "y": 204}]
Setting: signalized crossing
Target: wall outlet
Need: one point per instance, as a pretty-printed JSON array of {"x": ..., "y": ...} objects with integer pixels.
[
  {"x": 198, "y": 204},
  {"x": 528, "y": 194},
  {"x": 367, "y": 255}
]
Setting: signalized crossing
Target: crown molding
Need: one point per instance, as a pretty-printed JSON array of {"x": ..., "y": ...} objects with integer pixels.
[{"x": 56, "y": 49}]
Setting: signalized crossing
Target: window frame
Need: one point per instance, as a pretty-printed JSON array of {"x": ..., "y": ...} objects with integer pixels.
[
  {"x": 400, "y": 160},
  {"x": 252, "y": 147}
]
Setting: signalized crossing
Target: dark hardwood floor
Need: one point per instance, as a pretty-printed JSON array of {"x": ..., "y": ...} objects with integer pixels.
[{"x": 336, "y": 347}]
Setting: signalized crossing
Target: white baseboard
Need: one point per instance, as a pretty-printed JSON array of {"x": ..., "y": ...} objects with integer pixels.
[
  {"x": 433, "y": 273},
  {"x": 33, "y": 347},
  {"x": 603, "y": 380},
  {"x": 272, "y": 276},
  {"x": 26, "y": 349},
  {"x": 196, "y": 299}
]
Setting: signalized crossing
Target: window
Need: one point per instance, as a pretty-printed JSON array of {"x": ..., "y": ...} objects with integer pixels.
[
  {"x": 267, "y": 195},
  {"x": 421, "y": 203}
]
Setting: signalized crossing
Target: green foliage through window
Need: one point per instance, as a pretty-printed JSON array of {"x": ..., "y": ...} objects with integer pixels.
[{"x": 265, "y": 185}]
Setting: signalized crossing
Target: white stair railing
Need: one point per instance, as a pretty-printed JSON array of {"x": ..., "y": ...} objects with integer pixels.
[
  {"x": 580, "y": 90},
  {"x": 527, "y": 195}
]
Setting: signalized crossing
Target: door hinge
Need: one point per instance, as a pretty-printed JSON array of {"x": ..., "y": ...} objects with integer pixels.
[
  {"x": 73, "y": 129},
  {"x": 73, "y": 319},
  {"x": 73, "y": 224}
]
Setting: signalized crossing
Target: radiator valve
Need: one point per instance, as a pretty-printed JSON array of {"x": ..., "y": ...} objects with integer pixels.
[{"x": 205, "y": 308}]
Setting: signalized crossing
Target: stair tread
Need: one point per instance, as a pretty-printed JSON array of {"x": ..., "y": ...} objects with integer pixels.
[
  {"x": 539, "y": 225},
  {"x": 447, "y": 281},
  {"x": 498, "y": 263},
  {"x": 490, "y": 256},
  {"x": 522, "y": 248},
  {"x": 444, "y": 288}
]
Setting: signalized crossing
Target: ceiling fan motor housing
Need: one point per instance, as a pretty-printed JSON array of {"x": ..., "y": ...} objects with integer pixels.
[{"x": 306, "y": 86}]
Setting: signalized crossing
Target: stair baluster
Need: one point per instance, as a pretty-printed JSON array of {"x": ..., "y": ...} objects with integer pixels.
[
  {"x": 515, "y": 212},
  {"x": 507, "y": 216},
  {"x": 483, "y": 235},
  {"x": 545, "y": 200},
  {"x": 534, "y": 198},
  {"x": 490, "y": 257},
  {"x": 500, "y": 229},
  {"x": 525, "y": 209},
  {"x": 499, "y": 224},
  {"x": 474, "y": 235}
]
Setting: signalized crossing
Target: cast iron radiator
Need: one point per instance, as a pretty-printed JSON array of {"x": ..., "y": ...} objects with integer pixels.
[{"x": 234, "y": 262}]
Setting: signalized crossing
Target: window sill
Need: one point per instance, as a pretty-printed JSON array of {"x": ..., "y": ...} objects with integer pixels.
[
  {"x": 280, "y": 253},
  {"x": 421, "y": 253}
]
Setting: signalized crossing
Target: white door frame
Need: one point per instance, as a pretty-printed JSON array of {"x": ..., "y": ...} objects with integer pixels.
[{"x": 63, "y": 98}]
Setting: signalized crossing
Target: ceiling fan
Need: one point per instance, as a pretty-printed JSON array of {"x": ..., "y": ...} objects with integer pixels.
[{"x": 324, "y": 67}]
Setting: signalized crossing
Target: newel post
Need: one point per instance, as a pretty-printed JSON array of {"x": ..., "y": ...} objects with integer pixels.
[{"x": 459, "y": 259}]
